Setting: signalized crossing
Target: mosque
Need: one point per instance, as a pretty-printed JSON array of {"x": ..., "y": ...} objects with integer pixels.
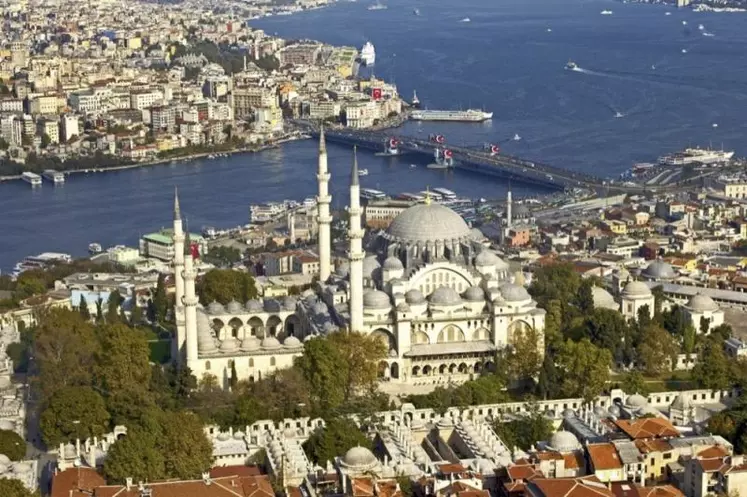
[{"x": 442, "y": 303}]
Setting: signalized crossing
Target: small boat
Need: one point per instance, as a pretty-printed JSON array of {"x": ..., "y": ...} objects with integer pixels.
[
  {"x": 363, "y": 172},
  {"x": 94, "y": 248},
  {"x": 517, "y": 137},
  {"x": 466, "y": 19}
]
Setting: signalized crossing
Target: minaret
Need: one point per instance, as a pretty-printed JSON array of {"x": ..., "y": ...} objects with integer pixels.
[
  {"x": 190, "y": 305},
  {"x": 356, "y": 250},
  {"x": 179, "y": 277},
  {"x": 323, "y": 218}
]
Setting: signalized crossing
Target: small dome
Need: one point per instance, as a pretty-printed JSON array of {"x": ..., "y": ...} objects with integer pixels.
[
  {"x": 289, "y": 303},
  {"x": 414, "y": 297},
  {"x": 636, "y": 289},
  {"x": 486, "y": 258},
  {"x": 250, "y": 344},
  {"x": 342, "y": 269},
  {"x": 215, "y": 308},
  {"x": 230, "y": 344},
  {"x": 564, "y": 441},
  {"x": 512, "y": 292},
  {"x": 659, "y": 270},
  {"x": 636, "y": 401},
  {"x": 234, "y": 307},
  {"x": 359, "y": 458},
  {"x": 291, "y": 342},
  {"x": 445, "y": 295},
  {"x": 392, "y": 263},
  {"x": 370, "y": 265},
  {"x": 702, "y": 303},
  {"x": 376, "y": 299},
  {"x": 603, "y": 299},
  {"x": 254, "y": 306},
  {"x": 474, "y": 294},
  {"x": 270, "y": 343}
]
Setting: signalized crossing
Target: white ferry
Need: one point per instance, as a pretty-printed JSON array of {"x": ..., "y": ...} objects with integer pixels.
[
  {"x": 32, "y": 178},
  {"x": 371, "y": 194},
  {"x": 470, "y": 115},
  {"x": 696, "y": 155},
  {"x": 55, "y": 177}
]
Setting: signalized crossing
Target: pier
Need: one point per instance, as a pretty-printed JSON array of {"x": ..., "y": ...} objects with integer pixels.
[{"x": 479, "y": 161}]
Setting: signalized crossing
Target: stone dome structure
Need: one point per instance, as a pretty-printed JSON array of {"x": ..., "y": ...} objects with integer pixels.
[
  {"x": 359, "y": 458},
  {"x": 636, "y": 289},
  {"x": 659, "y": 270},
  {"x": 445, "y": 295},
  {"x": 234, "y": 307},
  {"x": 393, "y": 264},
  {"x": 270, "y": 343},
  {"x": 603, "y": 299},
  {"x": 428, "y": 223},
  {"x": 376, "y": 299},
  {"x": 414, "y": 297},
  {"x": 564, "y": 442},
  {"x": 215, "y": 308},
  {"x": 512, "y": 292},
  {"x": 474, "y": 294},
  {"x": 702, "y": 303},
  {"x": 254, "y": 305}
]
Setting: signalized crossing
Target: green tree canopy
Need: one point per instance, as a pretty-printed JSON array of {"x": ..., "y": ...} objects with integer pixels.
[
  {"x": 225, "y": 285},
  {"x": 584, "y": 369},
  {"x": 73, "y": 413},
  {"x": 337, "y": 437},
  {"x": 12, "y": 445}
]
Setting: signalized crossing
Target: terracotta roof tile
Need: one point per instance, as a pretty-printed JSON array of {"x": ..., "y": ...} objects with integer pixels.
[{"x": 604, "y": 456}]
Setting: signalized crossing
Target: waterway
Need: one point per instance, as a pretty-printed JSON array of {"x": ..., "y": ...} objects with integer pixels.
[{"x": 508, "y": 59}]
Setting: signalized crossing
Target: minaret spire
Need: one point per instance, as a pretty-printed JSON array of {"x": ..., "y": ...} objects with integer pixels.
[
  {"x": 356, "y": 250},
  {"x": 324, "y": 219}
]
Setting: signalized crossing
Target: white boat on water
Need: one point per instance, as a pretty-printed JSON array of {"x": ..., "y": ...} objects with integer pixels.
[{"x": 368, "y": 54}]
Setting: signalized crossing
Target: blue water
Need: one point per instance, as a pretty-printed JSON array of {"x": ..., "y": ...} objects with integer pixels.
[{"x": 504, "y": 60}]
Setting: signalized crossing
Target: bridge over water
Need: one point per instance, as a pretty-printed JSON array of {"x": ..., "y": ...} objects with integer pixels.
[{"x": 478, "y": 160}]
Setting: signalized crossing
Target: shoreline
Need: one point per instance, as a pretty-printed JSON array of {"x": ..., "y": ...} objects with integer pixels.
[{"x": 169, "y": 161}]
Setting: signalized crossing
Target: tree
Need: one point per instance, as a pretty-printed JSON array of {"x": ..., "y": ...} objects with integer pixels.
[
  {"x": 12, "y": 445},
  {"x": 337, "y": 437},
  {"x": 83, "y": 308},
  {"x": 524, "y": 358},
  {"x": 13, "y": 488},
  {"x": 160, "y": 302},
  {"x": 525, "y": 431},
  {"x": 73, "y": 413},
  {"x": 634, "y": 382},
  {"x": 225, "y": 285},
  {"x": 584, "y": 369},
  {"x": 658, "y": 350},
  {"x": 64, "y": 349},
  {"x": 712, "y": 369}
]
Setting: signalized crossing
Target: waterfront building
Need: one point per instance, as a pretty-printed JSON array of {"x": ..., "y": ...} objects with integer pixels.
[{"x": 441, "y": 302}]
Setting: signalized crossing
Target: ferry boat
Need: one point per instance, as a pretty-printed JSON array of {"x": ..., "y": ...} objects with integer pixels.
[
  {"x": 696, "y": 155},
  {"x": 470, "y": 115},
  {"x": 445, "y": 193},
  {"x": 371, "y": 194},
  {"x": 55, "y": 177},
  {"x": 368, "y": 54},
  {"x": 94, "y": 248},
  {"x": 32, "y": 178}
]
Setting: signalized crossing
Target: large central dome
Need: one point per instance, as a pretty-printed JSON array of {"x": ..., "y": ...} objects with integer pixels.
[{"x": 428, "y": 223}]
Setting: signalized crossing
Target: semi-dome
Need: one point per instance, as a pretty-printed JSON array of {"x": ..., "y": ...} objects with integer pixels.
[
  {"x": 428, "y": 223},
  {"x": 702, "y": 303},
  {"x": 392, "y": 263},
  {"x": 512, "y": 292},
  {"x": 234, "y": 307},
  {"x": 603, "y": 299},
  {"x": 445, "y": 295},
  {"x": 474, "y": 294},
  {"x": 486, "y": 258},
  {"x": 636, "y": 289},
  {"x": 250, "y": 344},
  {"x": 414, "y": 297},
  {"x": 270, "y": 343},
  {"x": 291, "y": 342},
  {"x": 359, "y": 458},
  {"x": 659, "y": 270},
  {"x": 636, "y": 401},
  {"x": 229, "y": 344},
  {"x": 370, "y": 265},
  {"x": 564, "y": 441},
  {"x": 376, "y": 299},
  {"x": 215, "y": 308},
  {"x": 254, "y": 305}
]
